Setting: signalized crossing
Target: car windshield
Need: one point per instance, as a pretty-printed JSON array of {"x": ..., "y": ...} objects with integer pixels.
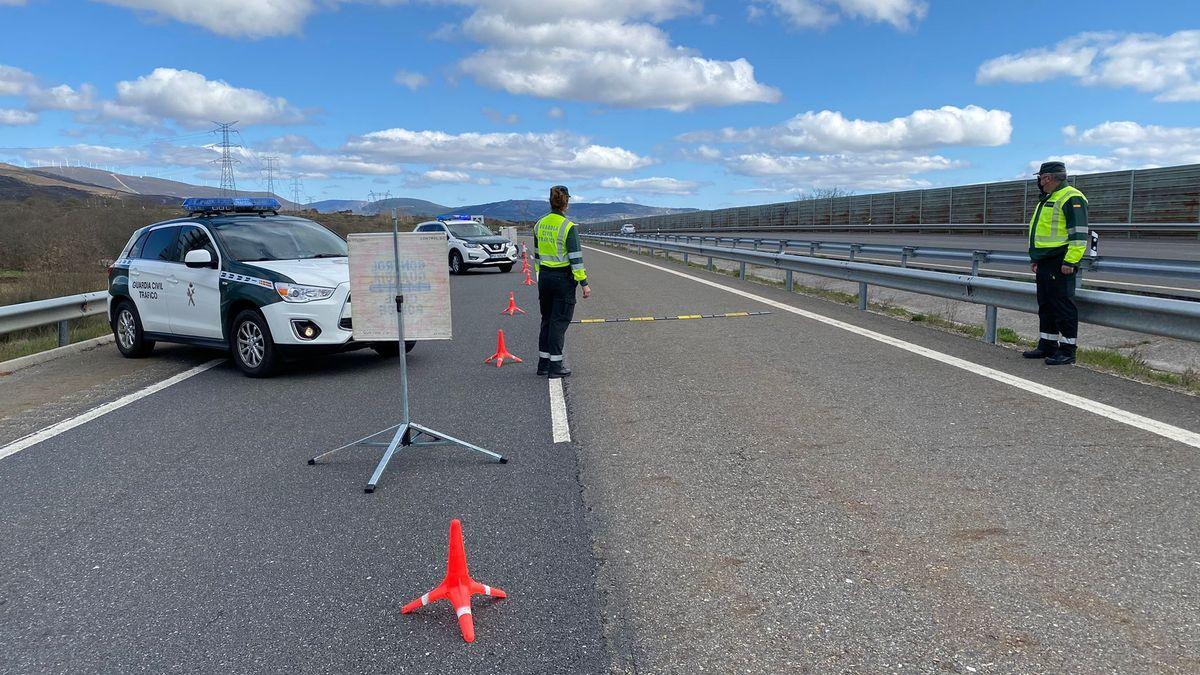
[
  {"x": 278, "y": 239},
  {"x": 468, "y": 230}
]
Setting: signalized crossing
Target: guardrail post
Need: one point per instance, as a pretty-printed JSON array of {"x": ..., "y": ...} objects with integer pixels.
[
  {"x": 977, "y": 258},
  {"x": 989, "y": 324},
  {"x": 862, "y": 295},
  {"x": 741, "y": 270},
  {"x": 908, "y": 251},
  {"x": 812, "y": 248},
  {"x": 710, "y": 264},
  {"x": 854, "y": 248},
  {"x": 64, "y": 333},
  {"x": 789, "y": 282}
]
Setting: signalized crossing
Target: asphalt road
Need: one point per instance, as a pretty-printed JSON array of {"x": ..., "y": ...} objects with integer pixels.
[{"x": 760, "y": 494}]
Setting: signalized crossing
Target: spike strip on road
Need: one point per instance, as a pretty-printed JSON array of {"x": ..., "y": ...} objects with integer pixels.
[{"x": 681, "y": 317}]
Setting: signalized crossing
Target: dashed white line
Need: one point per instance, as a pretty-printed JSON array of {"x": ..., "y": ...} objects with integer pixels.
[
  {"x": 66, "y": 425},
  {"x": 558, "y": 412},
  {"x": 1104, "y": 410}
]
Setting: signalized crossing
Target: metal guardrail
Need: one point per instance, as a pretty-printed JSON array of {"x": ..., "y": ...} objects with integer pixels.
[
  {"x": 1184, "y": 269},
  {"x": 55, "y": 310},
  {"x": 1137, "y": 313},
  {"x": 994, "y": 228}
]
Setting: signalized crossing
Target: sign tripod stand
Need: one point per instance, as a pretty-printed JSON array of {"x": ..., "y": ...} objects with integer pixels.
[{"x": 407, "y": 433}]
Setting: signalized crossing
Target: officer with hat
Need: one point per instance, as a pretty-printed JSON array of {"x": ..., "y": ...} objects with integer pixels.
[
  {"x": 558, "y": 259},
  {"x": 1058, "y": 238}
]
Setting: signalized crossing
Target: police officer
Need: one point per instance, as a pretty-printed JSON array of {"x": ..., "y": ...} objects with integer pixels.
[
  {"x": 558, "y": 259},
  {"x": 1058, "y": 238}
]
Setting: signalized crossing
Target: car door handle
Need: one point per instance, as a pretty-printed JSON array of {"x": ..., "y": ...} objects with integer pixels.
[
  {"x": 172, "y": 279},
  {"x": 136, "y": 273}
]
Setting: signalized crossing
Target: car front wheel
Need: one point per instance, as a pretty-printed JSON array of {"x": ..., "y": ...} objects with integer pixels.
[
  {"x": 456, "y": 262},
  {"x": 251, "y": 346},
  {"x": 127, "y": 328}
]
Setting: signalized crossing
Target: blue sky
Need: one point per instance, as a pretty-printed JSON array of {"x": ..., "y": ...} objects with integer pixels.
[{"x": 665, "y": 102}]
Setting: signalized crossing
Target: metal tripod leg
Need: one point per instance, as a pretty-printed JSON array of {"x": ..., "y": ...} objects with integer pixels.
[
  {"x": 401, "y": 438},
  {"x": 439, "y": 435},
  {"x": 361, "y": 441}
]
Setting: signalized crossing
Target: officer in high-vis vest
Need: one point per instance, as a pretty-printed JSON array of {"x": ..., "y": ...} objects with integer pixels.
[
  {"x": 558, "y": 259},
  {"x": 1058, "y": 238}
]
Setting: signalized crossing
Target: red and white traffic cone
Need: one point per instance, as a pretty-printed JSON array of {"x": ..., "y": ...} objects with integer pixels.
[
  {"x": 512, "y": 306},
  {"x": 457, "y": 587},
  {"x": 502, "y": 352},
  {"x": 528, "y": 279}
]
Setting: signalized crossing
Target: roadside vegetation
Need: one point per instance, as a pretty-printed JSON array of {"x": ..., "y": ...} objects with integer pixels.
[{"x": 1131, "y": 366}]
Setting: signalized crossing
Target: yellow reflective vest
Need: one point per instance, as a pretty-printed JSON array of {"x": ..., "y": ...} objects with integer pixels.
[
  {"x": 556, "y": 248},
  {"x": 1048, "y": 228}
]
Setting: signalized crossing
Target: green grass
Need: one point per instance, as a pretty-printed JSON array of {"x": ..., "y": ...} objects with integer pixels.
[
  {"x": 26, "y": 342},
  {"x": 1107, "y": 360}
]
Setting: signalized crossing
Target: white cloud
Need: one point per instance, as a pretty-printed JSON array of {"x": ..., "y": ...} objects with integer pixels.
[
  {"x": 830, "y": 131},
  {"x": 85, "y": 154},
  {"x": 192, "y": 100},
  {"x": 242, "y": 18},
  {"x": 499, "y": 117},
  {"x": 1136, "y": 146},
  {"x": 655, "y": 185},
  {"x": 290, "y": 143},
  {"x": 819, "y": 13},
  {"x": 413, "y": 81},
  {"x": 872, "y": 171},
  {"x": 1165, "y": 65},
  {"x": 322, "y": 165},
  {"x": 552, "y": 155},
  {"x": 1077, "y": 163},
  {"x": 10, "y": 117},
  {"x": 556, "y": 113},
  {"x": 599, "y": 52},
  {"x": 14, "y": 81},
  {"x": 62, "y": 97},
  {"x": 439, "y": 176}
]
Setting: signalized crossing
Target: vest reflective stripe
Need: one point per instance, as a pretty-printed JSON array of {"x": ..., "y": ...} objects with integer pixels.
[
  {"x": 552, "y": 232},
  {"x": 1046, "y": 224}
]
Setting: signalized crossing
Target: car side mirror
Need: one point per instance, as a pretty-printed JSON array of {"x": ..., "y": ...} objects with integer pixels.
[
  {"x": 198, "y": 258},
  {"x": 447, "y": 237}
]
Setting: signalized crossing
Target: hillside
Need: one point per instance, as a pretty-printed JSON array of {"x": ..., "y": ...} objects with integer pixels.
[
  {"x": 141, "y": 185},
  {"x": 18, "y": 183},
  {"x": 404, "y": 205}
]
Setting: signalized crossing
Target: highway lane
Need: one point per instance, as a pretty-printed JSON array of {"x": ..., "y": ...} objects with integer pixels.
[
  {"x": 186, "y": 532},
  {"x": 774, "y": 494}
]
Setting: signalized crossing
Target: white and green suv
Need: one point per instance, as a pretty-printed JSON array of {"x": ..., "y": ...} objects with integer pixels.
[{"x": 234, "y": 275}]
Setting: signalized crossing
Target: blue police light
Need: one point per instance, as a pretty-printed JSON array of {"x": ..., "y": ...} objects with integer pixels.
[
  {"x": 453, "y": 216},
  {"x": 230, "y": 204}
]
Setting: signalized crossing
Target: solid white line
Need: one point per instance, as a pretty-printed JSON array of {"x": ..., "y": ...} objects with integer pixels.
[
  {"x": 1116, "y": 414},
  {"x": 66, "y": 425},
  {"x": 558, "y": 412}
]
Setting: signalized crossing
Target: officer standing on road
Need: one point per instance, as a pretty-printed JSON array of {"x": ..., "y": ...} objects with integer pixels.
[
  {"x": 558, "y": 259},
  {"x": 1058, "y": 238}
]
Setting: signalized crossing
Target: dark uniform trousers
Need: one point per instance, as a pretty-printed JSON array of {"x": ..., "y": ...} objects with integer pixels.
[
  {"x": 1056, "y": 299},
  {"x": 556, "y": 295}
]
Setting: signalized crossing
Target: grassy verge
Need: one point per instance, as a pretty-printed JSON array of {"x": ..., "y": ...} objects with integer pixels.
[
  {"x": 26, "y": 342},
  {"x": 1131, "y": 366}
]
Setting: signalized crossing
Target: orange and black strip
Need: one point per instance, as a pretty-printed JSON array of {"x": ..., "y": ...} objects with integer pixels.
[{"x": 681, "y": 317}]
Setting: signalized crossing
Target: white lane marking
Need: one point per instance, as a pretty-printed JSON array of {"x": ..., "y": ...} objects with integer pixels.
[
  {"x": 558, "y": 412},
  {"x": 66, "y": 425},
  {"x": 1104, "y": 410}
]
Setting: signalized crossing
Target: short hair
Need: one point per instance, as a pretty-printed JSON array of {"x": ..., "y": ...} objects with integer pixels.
[{"x": 558, "y": 198}]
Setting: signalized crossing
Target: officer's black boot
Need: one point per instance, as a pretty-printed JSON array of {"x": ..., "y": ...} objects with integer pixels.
[
  {"x": 1044, "y": 349},
  {"x": 557, "y": 370},
  {"x": 543, "y": 366},
  {"x": 1064, "y": 356}
]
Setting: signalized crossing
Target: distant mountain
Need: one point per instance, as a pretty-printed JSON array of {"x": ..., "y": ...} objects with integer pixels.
[
  {"x": 142, "y": 185},
  {"x": 583, "y": 212},
  {"x": 334, "y": 205},
  {"x": 18, "y": 183},
  {"x": 405, "y": 206}
]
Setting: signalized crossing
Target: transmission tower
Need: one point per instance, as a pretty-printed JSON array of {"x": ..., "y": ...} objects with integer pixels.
[
  {"x": 228, "y": 185},
  {"x": 272, "y": 164},
  {"x": 296, "y": 193}
]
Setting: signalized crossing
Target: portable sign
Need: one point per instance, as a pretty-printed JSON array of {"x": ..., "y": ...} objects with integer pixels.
[{"x": 424, "y": 283}]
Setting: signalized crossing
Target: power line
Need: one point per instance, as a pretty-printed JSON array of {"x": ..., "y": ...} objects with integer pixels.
[
  {"x": 296, "y": 193},
  {"x": 228, "y": 184},
  {"x": 272, "y": 164}
]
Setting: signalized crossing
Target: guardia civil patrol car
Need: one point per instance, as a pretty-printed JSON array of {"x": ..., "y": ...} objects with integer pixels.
[
  {"x": 235, "y": 275},
  {"x": 471, "y": 243}
]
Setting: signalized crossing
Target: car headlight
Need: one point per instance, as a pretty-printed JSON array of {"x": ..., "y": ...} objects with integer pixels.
[
  {"x": 298, "y": 293},
  {"x": 470, "y": 244}
]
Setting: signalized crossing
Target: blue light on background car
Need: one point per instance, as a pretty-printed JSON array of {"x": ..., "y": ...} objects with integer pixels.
[
  {"x": 230, "y": 204},
  {"x": 448, "y": 216}
]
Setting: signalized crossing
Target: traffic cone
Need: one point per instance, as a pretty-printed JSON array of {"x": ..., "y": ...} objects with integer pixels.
[
  {"x": 525, "y": 265},
  {"x": 501, "y": 352},
  {"x": 528, "y": 279},
  {"x": 512, "y": 306},
  {"x": 458, "y": 586}
]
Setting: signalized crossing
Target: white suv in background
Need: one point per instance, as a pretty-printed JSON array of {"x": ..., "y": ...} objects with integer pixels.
[
  {"x": 628, "y": 228},
  {"x": 472, "y": 244}
]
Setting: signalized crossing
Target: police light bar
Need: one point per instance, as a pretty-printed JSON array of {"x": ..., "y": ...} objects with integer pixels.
[
  {"x": 230, "y": 204},
  {"x": 453, "y": 216}
]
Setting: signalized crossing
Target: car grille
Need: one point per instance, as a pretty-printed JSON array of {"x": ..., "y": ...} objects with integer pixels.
[{"x": 495, "y": 248}]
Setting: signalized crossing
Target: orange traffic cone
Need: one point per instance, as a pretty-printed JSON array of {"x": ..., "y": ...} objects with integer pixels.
[
  {"x": 512, "y": 306},
  {"x": 458, "y": 586},
  {"x": 525, "y": 265},
  {"x": 528, "y": 279},
  {"x": 501, "y": 352}
]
